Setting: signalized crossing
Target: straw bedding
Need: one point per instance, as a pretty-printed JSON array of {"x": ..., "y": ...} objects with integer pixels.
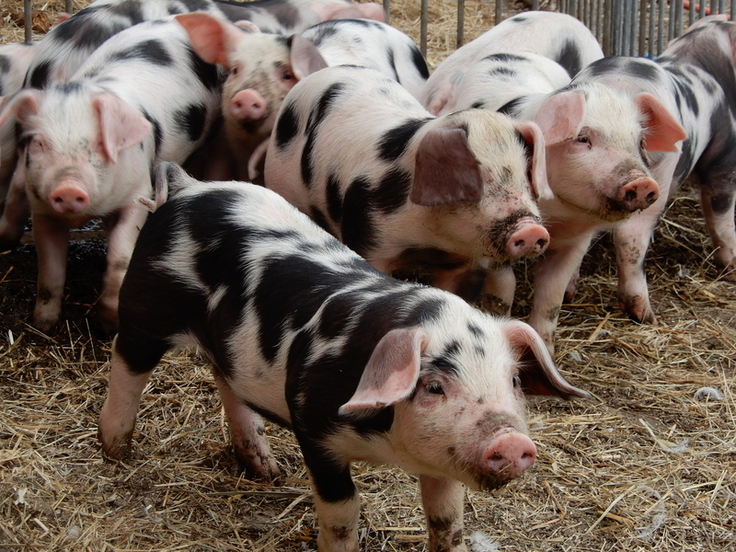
[{"x": 648, "y": 464}]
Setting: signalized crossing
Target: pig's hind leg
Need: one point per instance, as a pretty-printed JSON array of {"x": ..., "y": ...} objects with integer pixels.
[
  {"x": 248, "y": 436},
  {"x": 718, "y": 201}
]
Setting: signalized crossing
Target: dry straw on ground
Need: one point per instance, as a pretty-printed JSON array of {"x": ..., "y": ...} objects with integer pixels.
[{"x": 648, "y": 464}]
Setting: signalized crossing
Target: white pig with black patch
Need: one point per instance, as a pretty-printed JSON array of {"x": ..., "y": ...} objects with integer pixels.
[
  {"x": 557, "y": 36},
  {"x": 598, "y": 142},
  {"x": 696, "y": 78},
  {"x": 301, "y": 330},
  {"x": 90, "y": 145},
  {"x": 263, "y": 68},
  {"x": 407, "y": 190}
]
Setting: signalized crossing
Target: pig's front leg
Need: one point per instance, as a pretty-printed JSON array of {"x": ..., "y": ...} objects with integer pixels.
[
  {"x": 499, "y": 287},
  {"x": 337, "y": 505},
  {"x": 442, "y": 499},
  {"x": 553, "y": 274},
  {"x": 248, "y": 436},
  {"x": 16, "y": 210},
  {"x": 718, "y": 201},
  {"x": 123, "y": 232},
  {"x": 51, "y": 236}
]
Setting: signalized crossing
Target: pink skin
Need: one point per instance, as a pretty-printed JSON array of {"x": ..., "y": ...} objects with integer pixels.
[
  {"x": 510, "y": 453},
  {"x": 248, "y": 105},
  {"x": 68, "y": 198},
  {"x": 528, "y": 241}
]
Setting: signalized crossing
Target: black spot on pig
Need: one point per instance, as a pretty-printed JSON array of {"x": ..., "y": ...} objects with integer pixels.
[
  {"x": 334, "y": 199},
  {"x": 158, "y": 133},
  {"x": 39, "y": 76},
  {"x": 287, "y": 126},
  {"x": 510, "y": 107},
  {"x": 394, "y": 142},
  {"x": 419, "y": 62},
  {"x": 358, "y": 230},
  {"x": 393, "y": 190},
  {"x": 197, "y": 5},
  {"x": 130, "y": 9},
  {"x": 152, "y": 51},
  {"x": 207, "y": 73},
  {"x": 318, "y": 114},
  {"x": 569, "y": 58},
  {"x": 191, "y": 121}
]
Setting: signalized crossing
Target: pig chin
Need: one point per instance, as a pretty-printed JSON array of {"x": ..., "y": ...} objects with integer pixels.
[{"x": 607, "y": 210}]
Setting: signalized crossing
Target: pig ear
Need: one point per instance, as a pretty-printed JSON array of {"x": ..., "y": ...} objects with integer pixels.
[
  {"x": 561, "y": 116},
  {"x": 392, "y": 371},
  {"x": 305, "y": 58},
  {"x": 247, "y": 26},
  {"x": 662, "y": 130},
  {"x": 19, "y": 106},
  {"x": 538, "y": 160},
  {"x": 446, "y": 170},
  {"x": 211, "y": 38},
  {"x": 537, "y": 370},
  {"x": 121, "y": 126}
]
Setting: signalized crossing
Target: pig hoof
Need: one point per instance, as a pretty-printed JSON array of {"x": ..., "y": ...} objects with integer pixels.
[
  {"x": 117, "y": 448},
  {"x": 257, "y": 468},
  {"x": 639, "y": 310},
  {"x": 494, "y": 305}
]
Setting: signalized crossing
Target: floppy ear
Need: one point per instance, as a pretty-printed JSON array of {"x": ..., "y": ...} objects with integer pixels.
[
  {"x": 305, "y": 57},
  {"x": 538, "y": 159},
  {"x": 537, "y": 372},
  {"x": 121, "y": 125},
  {"x": 662, "y": 130},
  {"x": 17, "y": 107},
  {"x": 446, "y": 170},
  {"x": 392, "y": 371},
  {"x": 561, "y": 116},
  {"x": 211, "y": 39}
]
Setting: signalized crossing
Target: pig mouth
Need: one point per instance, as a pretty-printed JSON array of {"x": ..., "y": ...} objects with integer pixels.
[{"x": 612, "y": 210}]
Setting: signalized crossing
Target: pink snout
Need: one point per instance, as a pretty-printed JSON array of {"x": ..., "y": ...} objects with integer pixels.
[
  {"x": 69, "y": 199},
  {"x": 528, "y": 241},
  {"x": 639, "y": 194},
  {"x": 248, "y": 105},
  {"x": 510, "y": 454}
]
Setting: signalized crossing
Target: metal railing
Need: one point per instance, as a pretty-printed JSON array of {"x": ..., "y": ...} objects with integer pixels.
[{"x": 623, "y": 27}]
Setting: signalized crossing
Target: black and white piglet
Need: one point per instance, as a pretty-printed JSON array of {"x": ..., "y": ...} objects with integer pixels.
[
  {"x": 303, "y": 331},
  {"x": 407, "y": 190}
]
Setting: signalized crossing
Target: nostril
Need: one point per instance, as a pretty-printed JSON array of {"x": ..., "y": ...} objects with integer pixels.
[{"x": 630, "y": 195}]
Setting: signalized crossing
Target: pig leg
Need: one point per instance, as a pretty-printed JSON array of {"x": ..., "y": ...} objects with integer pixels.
[
  {"x": 52, "y": 243},
  {"x": 553, "y": 274},
  {"x": 442, "y": 500},
  {"x": 336, "y": 499},
  {"x": 718, "y": 204},
  {"x": 247, "y": 435},
  {"x": 16, "y": 210},
  {"x": 631, "y": 241},
  {"x": 497, "y": 295},
  {"x": 117, "y": 417},
  {"x": 123, "y": 232}
]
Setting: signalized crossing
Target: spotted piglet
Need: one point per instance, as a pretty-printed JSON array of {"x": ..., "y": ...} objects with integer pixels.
[
  {"x": 264, "y": 67},
  {"x": 300, "y": 329},
  {"x": 90, "y": 145},
  {"x": 409, "y": 191}
]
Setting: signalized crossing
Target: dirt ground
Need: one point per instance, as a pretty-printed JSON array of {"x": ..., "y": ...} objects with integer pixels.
[{"x": 649, "y": 463}]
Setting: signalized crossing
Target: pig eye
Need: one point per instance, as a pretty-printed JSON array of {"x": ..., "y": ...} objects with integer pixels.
[
  {"x": 434, "y": 388},
  {"x": 234, "y": 72},
  {"x": 287, "y": 76},
  {"x": 583, "y": 139}
]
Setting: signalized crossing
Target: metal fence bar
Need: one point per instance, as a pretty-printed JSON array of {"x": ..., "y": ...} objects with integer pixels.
[{"x": 623, "y": 27}]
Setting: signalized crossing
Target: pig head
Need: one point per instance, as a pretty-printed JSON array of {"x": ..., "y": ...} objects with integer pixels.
[{"x": 262, "y": 68}]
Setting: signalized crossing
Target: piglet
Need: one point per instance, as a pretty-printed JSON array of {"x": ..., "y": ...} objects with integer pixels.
[
  {"x": 264, "y": 67},
  {"x": 557, "y": 36},
  {"x": 301, "y": 330},
  {"x": 90, "y": 144},
  {"x": 406, "y": 190}
]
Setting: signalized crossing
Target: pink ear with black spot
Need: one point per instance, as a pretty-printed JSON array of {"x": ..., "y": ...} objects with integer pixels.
[{"x": 392, "y": 371}]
